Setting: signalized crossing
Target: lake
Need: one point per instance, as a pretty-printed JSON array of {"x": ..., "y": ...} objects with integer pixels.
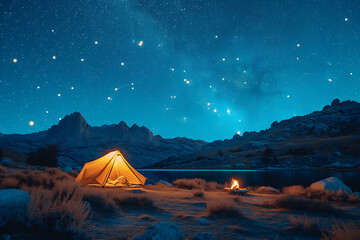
[{"x": 274, "y": 178}]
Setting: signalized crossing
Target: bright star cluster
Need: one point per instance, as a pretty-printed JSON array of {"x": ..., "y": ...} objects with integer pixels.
[{"x": 200, "y": 69}]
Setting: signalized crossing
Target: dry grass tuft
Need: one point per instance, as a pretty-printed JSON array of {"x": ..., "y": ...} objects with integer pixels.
[
  {"x": 343, "y": 231},
  {"x": 296, "y": 190},
  {"x": 3, "y": 169},
  {"x": 128, "y": 201},
  {"x": 303, "y": 223},
  {"x": 196, "y": 183},
  {"x": 297, "y": 203},
  {"x": 100, "y": 200},
  {"x": 339, "y": 196},
  {"x": 222, "y": 207}
]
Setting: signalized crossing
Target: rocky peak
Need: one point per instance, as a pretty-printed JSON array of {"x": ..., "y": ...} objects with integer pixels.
[{"x": 72, "y": 129}]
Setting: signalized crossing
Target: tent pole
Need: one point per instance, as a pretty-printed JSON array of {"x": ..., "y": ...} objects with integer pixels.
[{"x": 109, "y": 172}]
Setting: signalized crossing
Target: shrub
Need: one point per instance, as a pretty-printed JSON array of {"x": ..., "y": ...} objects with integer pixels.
[
  {"x": 302, "y": 204},
  {"x": 196, "y": 183},
  {"x": 46, "y": 156},
  {"x": 297, "y": 190},
  {"x": 345, "y": 231},
  {"x": 58, "y": 212},
  {"x": 266, "y": 190},
  {"x": 222, "y": 207}
]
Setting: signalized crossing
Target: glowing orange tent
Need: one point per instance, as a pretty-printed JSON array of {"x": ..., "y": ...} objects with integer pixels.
[{"x": 110, "y": 170}]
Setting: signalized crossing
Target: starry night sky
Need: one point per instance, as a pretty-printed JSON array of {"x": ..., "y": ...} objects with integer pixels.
[{"x": 199, "y": 69}]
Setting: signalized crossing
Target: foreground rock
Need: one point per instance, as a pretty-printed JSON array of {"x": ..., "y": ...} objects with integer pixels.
[
  {"x": 13, "y": 205},
  {"x": 332, "y": 184},
  {"x": 162, "y": 231}
]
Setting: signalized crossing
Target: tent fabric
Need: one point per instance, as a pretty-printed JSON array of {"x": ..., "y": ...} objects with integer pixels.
[{"x": 109, "y": 168}]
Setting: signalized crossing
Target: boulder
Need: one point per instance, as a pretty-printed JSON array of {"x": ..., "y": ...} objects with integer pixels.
[
  {"x": 203, "y": 236},
  {"x": 332, "y": 184},
  {"x": 13, "y": 205},
  {"x": 164, "y": 183},
  {"x": 203, "y": 221},
  {"x": 162, "y": 231}
]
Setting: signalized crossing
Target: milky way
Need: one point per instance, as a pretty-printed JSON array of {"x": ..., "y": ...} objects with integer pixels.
[{"x": 201, "y": 69}]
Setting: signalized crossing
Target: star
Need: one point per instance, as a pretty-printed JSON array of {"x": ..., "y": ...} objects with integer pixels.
[
  {"x": 140, "y": 43},
  {"x": 238, "y": 132},
  {"x": 15, "y": 60},
  {"x": 96, "y": 42},
  {"x": 351, "y": 74},
  {"x": 59, "y": 94},
  {"x": 122, "y": 64},
  {"x": 330, "y": 80},
  {"x": 187, "y": 82},
  {"x": 215, "y": 110},
  {"x": 82, "y": 59},
  {"x": 228, "y": 111},
  {"x": 47, "y": 111},
  {"x": 31, "y": 123},
  {"x": 346, "y": 19},
  {"x": 59, "y": 119},
  {"x": 132, "y": 88},
  {"x": 72, "y": 88},
  {"x": 223, "y": 59},
  {"x": 38, "y": 87},
  {"x": 288, "y": 96},
  {"x": 52, "y": 30},
  {"x": 237, "y": 59},
  {"x": 298, "y": 45},
  {"x": 54, "y": 57},
  {"x": 210, "y": 86},
  {"x": 208, "y": 104},
  {"x": 184, "y": 118},
  {"x": 116, "y": 89},
  {"x": 109, "y": 98},
  {"x": 223, "y": 79},
  {"x": 216, "y": 36}
]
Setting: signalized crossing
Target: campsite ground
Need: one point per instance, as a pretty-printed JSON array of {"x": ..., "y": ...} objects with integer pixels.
[
  {"x": 195, "y": 206},
  {"x": 255, "y": 222}
]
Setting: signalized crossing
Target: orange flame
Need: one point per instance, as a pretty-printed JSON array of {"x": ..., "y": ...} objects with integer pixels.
[{"x": 235, "y": 184}]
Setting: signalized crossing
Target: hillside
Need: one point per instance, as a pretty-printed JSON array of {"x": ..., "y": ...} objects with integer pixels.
[{"x": 323, "y": 139}]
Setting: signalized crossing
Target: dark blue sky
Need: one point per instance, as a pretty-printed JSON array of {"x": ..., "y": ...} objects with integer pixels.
[{"x": 200, "y": 69}]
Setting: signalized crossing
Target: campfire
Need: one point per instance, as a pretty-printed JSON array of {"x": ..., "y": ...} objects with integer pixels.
[{"x": 235, "y": 187}]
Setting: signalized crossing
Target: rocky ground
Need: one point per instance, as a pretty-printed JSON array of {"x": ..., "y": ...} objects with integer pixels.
[{"x": 54, "y": 207}]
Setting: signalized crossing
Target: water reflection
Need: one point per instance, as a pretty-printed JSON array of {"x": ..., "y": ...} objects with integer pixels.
[{"x": 274, "y": 178}]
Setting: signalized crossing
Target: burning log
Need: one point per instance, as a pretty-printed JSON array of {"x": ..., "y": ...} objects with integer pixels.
[{"x": 235, "y": 188}]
